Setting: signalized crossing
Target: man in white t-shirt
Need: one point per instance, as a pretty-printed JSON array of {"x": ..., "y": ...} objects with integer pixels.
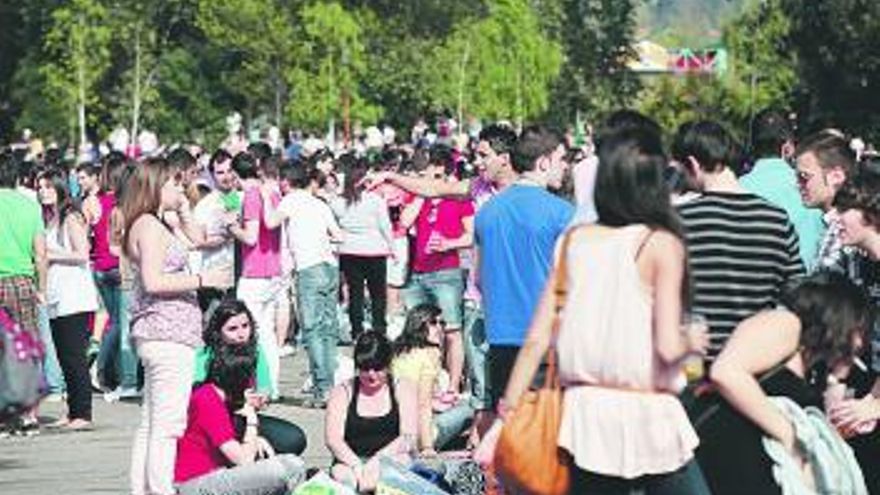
[
  {"x": 311, "y": 231},
  {"x": 215, "y": 212}
]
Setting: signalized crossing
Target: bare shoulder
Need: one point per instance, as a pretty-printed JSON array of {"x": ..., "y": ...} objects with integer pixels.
[{"x": 662, "y": 243}]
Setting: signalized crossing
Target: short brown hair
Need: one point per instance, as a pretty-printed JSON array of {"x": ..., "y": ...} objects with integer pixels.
[
  {"x": 533, "y": 143},
  {"x": 831, "y": 150}
]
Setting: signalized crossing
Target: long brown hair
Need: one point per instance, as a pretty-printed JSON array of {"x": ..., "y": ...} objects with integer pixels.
[{"x": 143, "y": 192}]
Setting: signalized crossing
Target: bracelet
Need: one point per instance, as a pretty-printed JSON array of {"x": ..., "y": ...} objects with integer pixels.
[
  {"x": 250, "y": 424},
  {"x": 502, "y": 409}
]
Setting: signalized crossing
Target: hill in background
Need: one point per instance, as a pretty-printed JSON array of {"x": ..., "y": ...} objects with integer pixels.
[{"x": 686, "y": 23}]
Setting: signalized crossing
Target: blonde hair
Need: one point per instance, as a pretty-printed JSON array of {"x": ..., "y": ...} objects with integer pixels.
[{"x": 143, "y": 192}]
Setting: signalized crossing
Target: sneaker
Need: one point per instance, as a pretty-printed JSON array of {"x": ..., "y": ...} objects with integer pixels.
[
  {"x": 286, "y": 350},
  {"x": 95, "y": 380},
  {"x": 311, "y": 401},
  {"x": 121, "y": 393},
  {"x": 28, "y": 428}
]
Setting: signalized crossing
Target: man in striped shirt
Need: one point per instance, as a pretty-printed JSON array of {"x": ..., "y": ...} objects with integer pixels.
[{"x": 742, "y": 249}]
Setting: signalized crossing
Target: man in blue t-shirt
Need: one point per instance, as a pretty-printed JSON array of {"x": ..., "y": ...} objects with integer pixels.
[{"x": 516, "y": 233}]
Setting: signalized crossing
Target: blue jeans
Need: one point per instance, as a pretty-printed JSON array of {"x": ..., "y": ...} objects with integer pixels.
[
  {"x": 443, "y": 288},
  {"x": 51, "y": 367},
  {"x": 117, "y": 361},
  {"x": 475, "y": 348},
  {"x": 316, "y": 292},
  {"x": 452, "y": 423}
]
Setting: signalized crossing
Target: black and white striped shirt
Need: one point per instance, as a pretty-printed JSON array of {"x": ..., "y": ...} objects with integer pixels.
[{"x": 742, "y": 251}]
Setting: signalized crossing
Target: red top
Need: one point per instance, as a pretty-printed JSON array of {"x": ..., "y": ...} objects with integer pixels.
[
  {"x": 102, "y": 259},
  {"x": 208, "y": 426},
  {"x": 443, "y": 218}
]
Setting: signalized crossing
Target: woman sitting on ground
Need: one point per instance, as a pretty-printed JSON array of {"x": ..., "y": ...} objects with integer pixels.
[
  {"x": 418, "y": 358},
  {"x": 210, "y": 458},
  {"x": 232, "y": 324},
  {"x": 794, "y": 352},
  {"x": 372, "y": 416}
]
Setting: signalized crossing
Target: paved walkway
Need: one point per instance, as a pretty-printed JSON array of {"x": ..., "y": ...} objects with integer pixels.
[{"x": 96, "y": 462}]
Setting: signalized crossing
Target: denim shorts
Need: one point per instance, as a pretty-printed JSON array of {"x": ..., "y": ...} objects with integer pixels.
[{"x": 443, "y": 288}]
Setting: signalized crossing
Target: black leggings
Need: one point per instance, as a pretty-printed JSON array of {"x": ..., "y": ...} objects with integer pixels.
[
  {"x": 284, "y": 436},
  {"x": 71, "y": 336},
  {"x": 369, "y": 270}
]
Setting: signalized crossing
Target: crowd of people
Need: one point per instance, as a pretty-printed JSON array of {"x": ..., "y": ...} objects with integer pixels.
[{"x": 717, "y": 332}]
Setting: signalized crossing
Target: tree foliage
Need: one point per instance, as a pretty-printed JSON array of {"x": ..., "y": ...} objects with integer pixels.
[
  {"x": 78, "y": 44},
  {"x": 498, "y": 67},
  {"x": 330, "y": 63},
  {"x": 838, "y": 49},
  {"x": 178, "y": 67},
  {"x": 598, "y": 37}
]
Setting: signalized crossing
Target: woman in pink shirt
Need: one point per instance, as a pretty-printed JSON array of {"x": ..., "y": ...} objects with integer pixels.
[{"x": 210, "y": 458}]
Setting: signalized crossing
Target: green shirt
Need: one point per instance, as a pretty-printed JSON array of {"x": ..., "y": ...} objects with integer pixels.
[
  {"x": 776, "y": 181},
  {"x": 264, "y": 384},
  {"x": 20, "y": 221}
]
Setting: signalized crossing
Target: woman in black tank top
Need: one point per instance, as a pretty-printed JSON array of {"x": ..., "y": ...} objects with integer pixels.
[{"x": 371, "y": 417}]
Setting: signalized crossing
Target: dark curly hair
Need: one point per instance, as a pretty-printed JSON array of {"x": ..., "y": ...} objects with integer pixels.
[
  {"x": 833, "y": 312},
  {"x": 862, "y": 191},
  {"x": 231, "y": 366},
  {"x": 415, "y": 330}
]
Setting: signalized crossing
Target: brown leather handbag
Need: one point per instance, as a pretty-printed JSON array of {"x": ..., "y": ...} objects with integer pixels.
[{"x": 527, "y": 457}]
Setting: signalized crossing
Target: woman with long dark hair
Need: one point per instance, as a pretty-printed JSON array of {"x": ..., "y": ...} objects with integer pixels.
[
  {"x": 71, "y": 297},
  {"x": 418, "y": 357},
  {"x": 117, "y": 364},
  {"x": 619, "y": 345},
  {"x": 366, "y": 245},
  {"x": 232, "y": 324},
  {"x": 796, "y": 351},
  {"x": 210, "y": 442}
]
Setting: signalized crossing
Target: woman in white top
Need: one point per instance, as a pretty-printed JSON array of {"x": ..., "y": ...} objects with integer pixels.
[
  {"x": 366, "y": 245},
  {"x": 71, "y": 296}
]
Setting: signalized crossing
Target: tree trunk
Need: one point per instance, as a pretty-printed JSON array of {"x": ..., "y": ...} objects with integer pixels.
[
  {"x": 136, "y": 92},
  {"x": 462, "y": 73},
  {"x": 81, "y": 90},
  {"x": 277, "y": 81}
]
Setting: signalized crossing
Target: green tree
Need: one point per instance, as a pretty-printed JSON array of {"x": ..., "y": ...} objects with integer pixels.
[
  {"x": 836, "y": 43},
  {"x": 331, "y": 62},
  {"x": 78, "y": 49},
  {"x": 497, "y": 67},
  {"x": 597, "y": 37},
  {"x": 258, "y": 39}
]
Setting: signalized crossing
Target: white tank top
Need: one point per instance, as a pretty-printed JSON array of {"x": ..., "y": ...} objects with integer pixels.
[{"x": 70, "y": 288}]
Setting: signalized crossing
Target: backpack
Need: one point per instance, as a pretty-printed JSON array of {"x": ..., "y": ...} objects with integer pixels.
[{"x": 22, "y": 383}]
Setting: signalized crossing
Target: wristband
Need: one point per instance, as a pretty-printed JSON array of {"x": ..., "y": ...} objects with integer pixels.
[{"x": 252, "y": 424}]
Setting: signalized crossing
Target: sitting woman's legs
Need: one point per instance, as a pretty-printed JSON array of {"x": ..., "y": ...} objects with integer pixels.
[
  {"x": 274, "y": 476},
  {"x": 284, "y": 436}
]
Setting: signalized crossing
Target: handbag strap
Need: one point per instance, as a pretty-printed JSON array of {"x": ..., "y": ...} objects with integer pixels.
[{"x": 560, "y": 274}]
